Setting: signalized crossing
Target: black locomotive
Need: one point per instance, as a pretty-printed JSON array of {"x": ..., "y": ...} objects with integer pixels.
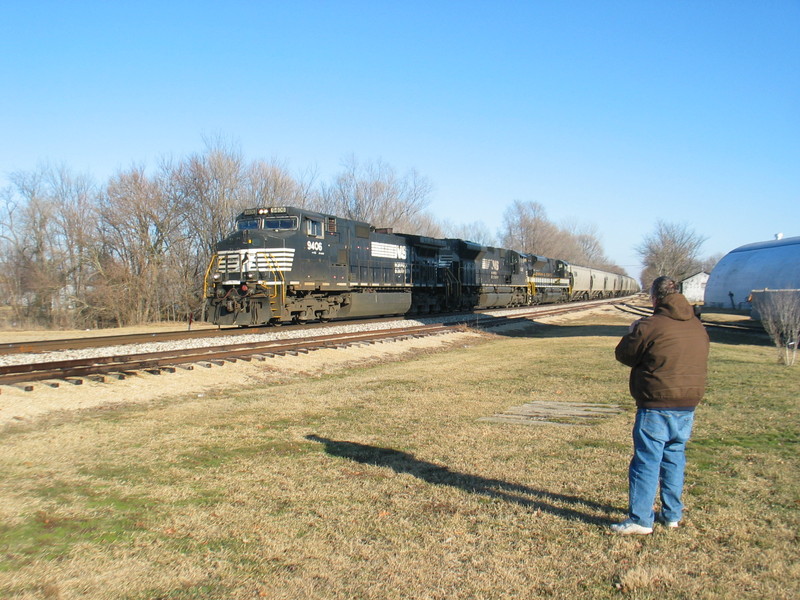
[{"x": 286, "y": 263}]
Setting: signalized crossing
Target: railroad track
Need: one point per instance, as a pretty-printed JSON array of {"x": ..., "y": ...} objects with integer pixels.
[
  {"x": 40, "y": 346},
  {"x": 120, "y": 366},
  {"x": 646, "y": 311}
]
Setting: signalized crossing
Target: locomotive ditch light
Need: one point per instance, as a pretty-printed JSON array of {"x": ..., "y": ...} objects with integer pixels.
[
  {"x": 244, "y": 287},
  {"x": 216, "y": 277}
]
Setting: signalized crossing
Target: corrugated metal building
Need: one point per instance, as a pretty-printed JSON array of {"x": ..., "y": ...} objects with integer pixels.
[{"x": 773, "y": 265}]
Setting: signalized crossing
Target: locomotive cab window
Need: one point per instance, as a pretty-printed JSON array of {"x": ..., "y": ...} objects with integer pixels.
[
  {"x": 280, "y": 223},
  {"x": 245, "y": 224},
  {"x": 314, "y": 228}
]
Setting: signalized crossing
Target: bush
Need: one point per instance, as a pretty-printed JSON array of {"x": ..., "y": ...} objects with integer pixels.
[{"x": 779, "y": 311}]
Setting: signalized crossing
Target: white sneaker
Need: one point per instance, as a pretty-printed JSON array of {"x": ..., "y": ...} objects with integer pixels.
[
  {"x": 628, "y": 527},
  {"x": 668, "y": 524}
]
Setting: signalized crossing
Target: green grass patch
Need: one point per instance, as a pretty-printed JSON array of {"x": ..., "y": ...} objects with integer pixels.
[
  {"x": 784, "y": 443},
  {"x": 49, "y": 535}
]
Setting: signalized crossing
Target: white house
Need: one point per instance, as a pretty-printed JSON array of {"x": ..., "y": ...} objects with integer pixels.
[{"x": 694, "y": 287}]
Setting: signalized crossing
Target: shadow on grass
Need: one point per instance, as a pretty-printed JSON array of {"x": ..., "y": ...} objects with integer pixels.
[
  {"x": 550, "y": 330},
  {"x": 739, "y": 338},
  {"x": 718, "y": 335},
  {"x": 403, "y": 462}
]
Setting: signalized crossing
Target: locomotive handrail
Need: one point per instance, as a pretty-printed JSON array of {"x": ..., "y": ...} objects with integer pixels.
[
  {"x": 208, "y": 271},
  {"x": 452, "y": 282},
  {"x": 276, "y": 274}
]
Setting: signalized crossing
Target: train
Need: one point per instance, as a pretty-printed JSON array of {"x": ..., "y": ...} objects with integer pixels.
[{"x": 285, "y": 264}]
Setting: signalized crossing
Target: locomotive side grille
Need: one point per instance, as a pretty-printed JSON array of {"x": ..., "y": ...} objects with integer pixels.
[
  {"x": 279, "y": 259},
  {"x": 549, "y": 280},
  {"x": 228, "y": 262},
  {"x": 238, "y": 261}
]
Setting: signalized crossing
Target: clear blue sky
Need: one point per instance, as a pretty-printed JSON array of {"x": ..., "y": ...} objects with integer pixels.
[{"x": 609, "y": 112}]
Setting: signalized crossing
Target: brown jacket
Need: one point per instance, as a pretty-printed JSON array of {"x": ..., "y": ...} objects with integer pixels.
[{"x": 668, "y": 356}]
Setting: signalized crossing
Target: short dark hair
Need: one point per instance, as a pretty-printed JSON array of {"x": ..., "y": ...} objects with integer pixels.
[{"x": 662, "y": 287}]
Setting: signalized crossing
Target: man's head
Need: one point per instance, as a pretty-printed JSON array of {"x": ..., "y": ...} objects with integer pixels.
[{"x": 662, "y": 287}]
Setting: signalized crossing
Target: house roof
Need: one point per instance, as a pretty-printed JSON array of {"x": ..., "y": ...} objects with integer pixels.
[{"x": 693, "y": 275}]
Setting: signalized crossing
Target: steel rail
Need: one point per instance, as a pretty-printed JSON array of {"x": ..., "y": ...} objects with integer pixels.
[
  {"x": 11, "y": 374},
  {"x": 122, "y": 364},
  {"x": 644, "y": 311},
  {"x": 41, "y": 346}
]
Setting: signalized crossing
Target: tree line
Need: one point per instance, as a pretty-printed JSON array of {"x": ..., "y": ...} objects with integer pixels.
[{"x": 135, "y": 249}]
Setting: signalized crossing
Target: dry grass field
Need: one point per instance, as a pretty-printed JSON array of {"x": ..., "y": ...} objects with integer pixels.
[{"x": 384, "y": 480}]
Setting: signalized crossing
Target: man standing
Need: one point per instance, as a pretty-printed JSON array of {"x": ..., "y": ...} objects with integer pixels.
[{"x": 668, "y": 355}]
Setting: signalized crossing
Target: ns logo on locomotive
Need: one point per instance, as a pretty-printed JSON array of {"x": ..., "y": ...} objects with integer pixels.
[{"x": 290, "y": 264}]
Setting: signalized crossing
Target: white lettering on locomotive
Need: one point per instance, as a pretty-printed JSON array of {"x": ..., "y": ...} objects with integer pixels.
[
  {"x": 490, "y": 264},
  {"x": 381, "y": 250},
  {"x": 314, "y": 247}
]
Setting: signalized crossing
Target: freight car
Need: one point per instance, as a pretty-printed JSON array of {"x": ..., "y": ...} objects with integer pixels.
[{"x": 290, "y": 264}]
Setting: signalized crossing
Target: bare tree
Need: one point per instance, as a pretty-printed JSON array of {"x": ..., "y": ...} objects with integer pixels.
[
  {"x": 140, "y": 225},
  {"x": 475, "y": 232},
  {"x": 710, "y": 262},
  {"x": 425, "y": 224},
  {"x": 35, "y": 248},
  {"x": 188, "y": 250},
  {"x": 780, "y": 315},
  {"x": 374, "y": 193},
  {"x": 212, "y": 188},
  {"x": 527, "y": 229},
  {"x": 671, "y": 250},
  {"x": 585, "y": 242},
  {"x": 270, "y": 184},
  {"x": 74, "y": 199},
  {"x": 11, "y": 263},
  {"x": 590, "y": 249}
]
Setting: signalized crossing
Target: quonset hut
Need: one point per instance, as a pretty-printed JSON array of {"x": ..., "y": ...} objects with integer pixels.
[{"x": 774, "y": 265}]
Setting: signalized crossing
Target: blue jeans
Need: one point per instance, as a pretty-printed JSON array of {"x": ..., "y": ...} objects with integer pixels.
[{"x": 659, "y": 445}]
